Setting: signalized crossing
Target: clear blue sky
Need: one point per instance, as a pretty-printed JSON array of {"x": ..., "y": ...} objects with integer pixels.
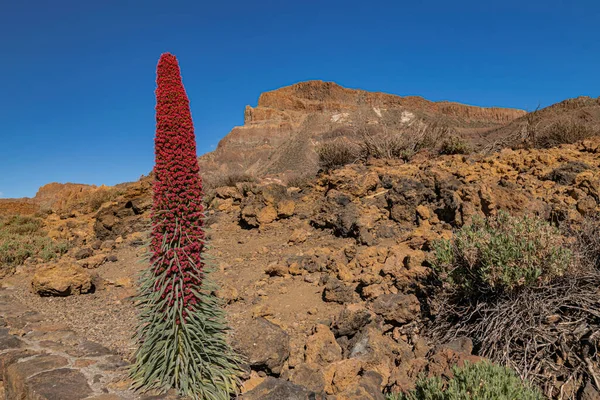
[{"x": 78, "y": 77}]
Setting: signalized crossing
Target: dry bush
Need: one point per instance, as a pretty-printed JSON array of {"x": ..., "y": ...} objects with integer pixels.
[
  {"x": 563, "y": 132},
  {"x": 337, "y": 153},
  {"x": 404, "y": 142},
  {"x": 300, "y": 180},
  {"x": 98, "y": 197},
  {"x": 217, "y": 180},
  {"x": 525, "y": 298}
]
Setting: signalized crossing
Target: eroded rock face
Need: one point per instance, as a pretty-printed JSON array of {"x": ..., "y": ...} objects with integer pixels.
[
  {"x": 279, "y": 135},
  {"x": 62, "y": 279},
  {"x": 265, "y": 345}
]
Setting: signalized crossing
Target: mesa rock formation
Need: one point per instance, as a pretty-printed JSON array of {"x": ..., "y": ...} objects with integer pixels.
[{"x": 279, "y": 134}]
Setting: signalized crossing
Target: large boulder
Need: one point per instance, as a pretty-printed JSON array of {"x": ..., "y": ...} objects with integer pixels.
[
  {"x": 63, "y": 279},
  {"x": 397, "y": 308},
  {"x": 265, "y": 345},
  {"x": 279, "y": 389},
  {"x": 321, "y": 347}
]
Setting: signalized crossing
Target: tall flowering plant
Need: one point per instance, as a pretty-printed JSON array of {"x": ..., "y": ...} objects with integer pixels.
[{"x": 182, "y": 331}]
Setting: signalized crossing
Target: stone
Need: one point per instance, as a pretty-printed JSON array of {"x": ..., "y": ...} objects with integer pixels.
[
  {"x": 16, "y": 375},
  {"x": 264, "y": 344},
  {"x": 8, "y": 341},
  {"x": 266, "y": 215},
  {"x": 108, "y": 245},
  {"x": 83, "y": 253},
  {"x": 61, "y": 279},
  {"x": 442, "y": 361},
  {"x": 351, "y": 320},
  {"x": 276, "y": 269},
  {"x": 321, "y": 347},
  {"x": 10, "y": 357},
  {"x": 309, "y": 376},
  {"x": 286, "y": 208},
  {"x": 341, "y": 375},
  {"x": 228, "y": 293},
  {"x": 63, "y": 384},
  {"x": 298, "y": 236},
  {"x": 461, "y": 344},
  {"x": 92, "y": 262},
  {"x": 278, "y": 389},
  {"x": 405, "y": 375},
  {"x": 368, "y": 387},
  {"x": 86, "y": 348},
  {"x": 378, "y": 352},
  {"x": 338, "y": 292},
  {"x": 397, "y": 308}
]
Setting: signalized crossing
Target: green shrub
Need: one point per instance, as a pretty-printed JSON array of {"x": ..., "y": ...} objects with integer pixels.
[
  {"x": 21, "y": 237},
  {"x": 20, "y": 225},
  {"x": 481, "y": 381},
  {"x": 501, "y": 254}
]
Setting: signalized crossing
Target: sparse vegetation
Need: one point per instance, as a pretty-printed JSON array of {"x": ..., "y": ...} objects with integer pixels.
[
  {"x": 400, "y": 143},
  {"x": 337, "y": 153},
  {"x": 99, "y": 196},
  {"x": 217, "y": 180},
  {"x": 563, "y": 132},
  {"x": 21, "y": 237},
  {"x": 480, "y": 381},
  {"x": 455, "y": 145},
  {"x": 500, "y": 254},
  {"x": 522, "y": 292}
]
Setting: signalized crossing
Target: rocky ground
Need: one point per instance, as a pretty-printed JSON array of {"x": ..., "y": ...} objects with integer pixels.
[{"x": 324, "y": 284}]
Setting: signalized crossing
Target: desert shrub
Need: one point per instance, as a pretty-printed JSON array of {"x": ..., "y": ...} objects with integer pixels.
[
  {"x": 454, "y": 145},
  {"x": 564, "y": 132},
  {"x": 586, "y": 243},
  {"x": 20, "y": 225},
  {"x": 300, "y": 180},
  {"x": 519, "y": 289},
  {"x": 218, "y": 180},
  {"x": 480, "y": 381},
  {"x": 500, "y": 254},
  {"x": 386, "y": 146},
  {"x": 96, "y": 198},
  {"x": 16, "y": 248},
  {"x": 337, "y": 153}
]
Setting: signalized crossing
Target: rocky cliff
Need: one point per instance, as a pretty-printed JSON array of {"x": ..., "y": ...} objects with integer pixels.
[{"x": 279, "y": 134}]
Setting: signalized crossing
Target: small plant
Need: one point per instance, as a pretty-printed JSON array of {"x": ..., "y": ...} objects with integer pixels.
[
  {"x": 336, "y": 154},
  {"x": 480, "y": 381},
  {"x": 454, "y": 145},
  {"x": 218, "y": 180},
  {"x": 182, "y": 332},
  {"x": 501, "y": 254}
]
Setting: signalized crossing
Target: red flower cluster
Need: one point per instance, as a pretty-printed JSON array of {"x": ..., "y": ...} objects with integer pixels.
[{"x": 177, "y": 215}]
